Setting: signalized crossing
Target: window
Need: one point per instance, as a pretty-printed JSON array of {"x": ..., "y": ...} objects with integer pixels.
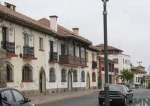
[
  {"x": 9, "y": 73},
  {"x": 8, "y": 95},
  {"x": 93, "y": 77},
  {"x": 83, "y": 76},
  {"x": 115, "y": 60},
  {"x": 18, "y": 96},
  {"x": 63, "y": 49},
  {"x": 82, "y": 53},
  {"x": 87, "y": 59},
  {"x": 93, "y": 56},
  {"x": 75, "y": 75},
  {"x": 26, "y": 74},
  {"x": 123, "y": 61},
  {"x": 41, "y": 43},
  {"x": 52, "y": 74},
  {"x": 63, "y": 75},
  {"x": 26, "y": 39}
]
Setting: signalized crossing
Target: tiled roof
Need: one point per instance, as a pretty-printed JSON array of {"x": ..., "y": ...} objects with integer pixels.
[
  {"x": 93, "y": 48},
  {"x": 60, "y": 29},
  {"x": 44, "y": 23},
  {"x": 101, "y": 47}
]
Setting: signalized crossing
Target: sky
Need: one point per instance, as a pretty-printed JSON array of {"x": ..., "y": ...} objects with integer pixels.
[{"x": 128, "y": 22}]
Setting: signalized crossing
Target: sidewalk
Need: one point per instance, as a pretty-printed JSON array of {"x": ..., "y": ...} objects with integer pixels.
[{"x": 60, "y": 96}]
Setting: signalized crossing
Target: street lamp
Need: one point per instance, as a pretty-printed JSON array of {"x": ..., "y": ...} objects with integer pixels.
[{"x": 106, "y": 85}]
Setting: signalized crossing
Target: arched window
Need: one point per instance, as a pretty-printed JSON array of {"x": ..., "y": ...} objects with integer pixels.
[
  {"x": 93, "y": 77},
  {"x": 83, "y": 76},
  {"x": 26, "y": 73},
  {"x": 75, "y": 76},
  {"x": 9, "y": 73},
  {"x": 52, "y": 75},
  {"x": 63, "y": 75}
]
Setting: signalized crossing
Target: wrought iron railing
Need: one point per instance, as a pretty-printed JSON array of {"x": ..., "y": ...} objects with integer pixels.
[
  {"x": 8, "y": 46},
  {"x": 53, "y": 56},
  {"x": 28, "y": 51}
]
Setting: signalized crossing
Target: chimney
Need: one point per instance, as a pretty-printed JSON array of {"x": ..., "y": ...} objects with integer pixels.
[
  {"x": 53, "y": 22},
  {"x": 10, "y": 6},
  {"x": 75, "y": 30}
]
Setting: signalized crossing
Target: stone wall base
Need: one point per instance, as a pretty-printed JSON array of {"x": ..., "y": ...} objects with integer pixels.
[{"x": 30, "y": 93}]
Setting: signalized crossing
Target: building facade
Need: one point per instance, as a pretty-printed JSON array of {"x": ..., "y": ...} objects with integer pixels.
[
  {"x": 121, "y": 61},
  {"x": 139, "y": 72},
  {"x": 43, "y": 57}
]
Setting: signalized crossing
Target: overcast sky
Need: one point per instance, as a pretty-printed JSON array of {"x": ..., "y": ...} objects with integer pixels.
[{"x": 128, "y": 21}]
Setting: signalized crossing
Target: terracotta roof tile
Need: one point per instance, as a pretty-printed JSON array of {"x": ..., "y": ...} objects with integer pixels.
[
  {"x": 60, "y": 29},
  {"x": 101, "y": 47},
  {"x": 45, "y": 23}
]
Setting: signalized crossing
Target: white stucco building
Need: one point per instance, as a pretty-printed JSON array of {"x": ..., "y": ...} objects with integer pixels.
[
  {"x": 121, "y": 61},
  {"x": 42, "y": 56}
]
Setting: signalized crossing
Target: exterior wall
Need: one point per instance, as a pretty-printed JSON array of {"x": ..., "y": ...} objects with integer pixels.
[
  {"x": 2, "y": 68},
  {"x": 58, "y": 85},
  {"x": 120, "y": 64},
  {"x": 17, "y": 63},
  {"x": 89, "y": 68}
]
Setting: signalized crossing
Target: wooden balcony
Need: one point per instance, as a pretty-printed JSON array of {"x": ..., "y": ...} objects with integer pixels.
[
  {"x": 53, "y": 57},
  {"x": 9, "y": 47},
  {"x": 71, "y": 60},
  {"x": 28, "y": 53}
]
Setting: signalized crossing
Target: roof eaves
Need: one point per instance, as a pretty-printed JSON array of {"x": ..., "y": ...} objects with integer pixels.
[
  {"x": 6, "y": 16},
  {"x": 74, "y": 36}
]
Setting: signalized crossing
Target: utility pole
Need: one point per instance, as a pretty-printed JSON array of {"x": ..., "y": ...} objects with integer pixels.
[
  {"x": 106, "y": 85},
  {"x": 139, "y": 62}
]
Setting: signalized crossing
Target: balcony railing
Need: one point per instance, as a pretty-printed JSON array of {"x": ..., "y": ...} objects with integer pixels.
[
  {"x": 67, "y": 59},
  {"x": 8, "y": 46},
  {"x": 28, "y": 51},
  {"x": 94, "y": 64},
  {"x": 53, "y": 56}
]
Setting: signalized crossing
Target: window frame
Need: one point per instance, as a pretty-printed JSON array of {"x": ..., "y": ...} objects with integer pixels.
[
  {"x": 27, "y": 74},
  {"x": 52, "y": 75},
  {"x": 41, "y": 44},
  {"x": 9, "y": 73},
  {"x": 93, "y": 77},
  {"x": 63, "y": 75},
  {"x": 83, "y": 76},
  {"x": 75, "y": 76}
]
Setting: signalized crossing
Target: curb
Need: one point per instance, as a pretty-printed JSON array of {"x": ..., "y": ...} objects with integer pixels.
[{"x": 60, "y": 98}]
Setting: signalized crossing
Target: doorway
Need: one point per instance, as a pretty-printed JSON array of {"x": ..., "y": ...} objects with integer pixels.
[
  {"x": 88, "y": 81},
  {"x": 42, "y": 81},
  {"x": 69, "y": 81}
]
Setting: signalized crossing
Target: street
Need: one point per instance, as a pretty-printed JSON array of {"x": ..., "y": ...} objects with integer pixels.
[{"x": 92, "y": 100}]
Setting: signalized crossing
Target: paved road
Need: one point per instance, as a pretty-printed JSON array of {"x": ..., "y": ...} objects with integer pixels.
[{"x": 91, "y": 100}]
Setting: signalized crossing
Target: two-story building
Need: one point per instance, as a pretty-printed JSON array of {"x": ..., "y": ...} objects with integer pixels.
[
  {"x": 92, "y": 69},
  {"x": 65, "y": 58},
  {"x": 42, "y": 56},
  {"x": 139, "y": 72},
  {"x": 23, "y": 38},
  {"x": 121, "y": 60}
]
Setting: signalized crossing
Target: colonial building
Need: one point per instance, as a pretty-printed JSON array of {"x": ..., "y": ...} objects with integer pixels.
[
  {"x": 92, "y": 69},
  {"x": 65, "y": 58},
  {"x": 44, "y": 57},
  {"x": 139, "y": 72},
  {"x": 121, "y": 61},
  {"x": 23, "y": 38},
  {"x": 111, "y": 72}
]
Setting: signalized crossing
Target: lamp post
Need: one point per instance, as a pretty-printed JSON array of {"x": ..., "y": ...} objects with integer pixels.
[{"x": 106, "y": 85}]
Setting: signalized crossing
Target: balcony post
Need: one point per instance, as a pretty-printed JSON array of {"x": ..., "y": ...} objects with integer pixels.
[
  {"x": 85, "y": 54},
  {"x": 80, "y": 52}
]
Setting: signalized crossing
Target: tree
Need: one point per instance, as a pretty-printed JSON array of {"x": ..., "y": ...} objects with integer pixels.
[{"x": 126, "y": 75}]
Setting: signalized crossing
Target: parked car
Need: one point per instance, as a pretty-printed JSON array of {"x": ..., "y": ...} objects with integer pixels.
[
  {"x": 13, "y": 97},
  {"x": 118, "y": 94}
]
